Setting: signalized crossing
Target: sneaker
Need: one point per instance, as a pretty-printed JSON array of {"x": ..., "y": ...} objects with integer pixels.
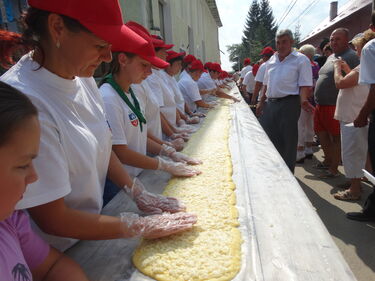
[{"x": 361, "y": 216}]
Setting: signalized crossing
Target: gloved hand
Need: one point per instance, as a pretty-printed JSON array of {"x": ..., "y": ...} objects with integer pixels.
[
  {"x": 183, "y": 136},
  {"x": 156, "y": 226},
  {"x": 181, "y": 122},
  {"x": 193, "y": 120},
  {"x": 199, "y": 114},
  {"x": 176, "y": 168},
  {"x": 177, "y": 144},
  {"x": 151, "y": 203},
  {"x": 180, "y": 157},
  {"x": 181, "y": 130},
  {"x": 166, "y": 150},
  {"x": 188, "y": 129}
]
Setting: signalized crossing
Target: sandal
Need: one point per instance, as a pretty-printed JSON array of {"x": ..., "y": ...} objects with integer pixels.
[
  {"x": 346, "y": 195},
  {"x": 329, "y": 175}
]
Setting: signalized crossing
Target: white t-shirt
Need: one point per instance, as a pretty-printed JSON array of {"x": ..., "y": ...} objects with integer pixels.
[
  {"x": 366, "y": 72},
  {"x": 124, "y": 124},
  {"x": 169, "y": 108},
  {"x": 284, "y": 78},
  {"x": 261, "y": 71},
  {"x": 178, "y": 97},
  {"x": 350, "y": 101},
  {"x": 154, "y": 82},
  {"x": 182, "y": 74},
  {"x": 249, "y": 82},
  {"x": 190, "y": 91},
  {"x": 205, "y": 82},
  {"x": 245, "y": 70},
  {"x": 75, "y": 140},
  {"x": 150, "y": 104}
]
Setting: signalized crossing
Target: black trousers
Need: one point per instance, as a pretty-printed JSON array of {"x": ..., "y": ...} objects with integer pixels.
[{"x": 280, "y": 122}]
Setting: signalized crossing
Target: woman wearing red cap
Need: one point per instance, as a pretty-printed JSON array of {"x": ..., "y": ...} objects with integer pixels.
[
  {"x": 189, "y": 87},
  {"x": 175, "y": 65},
  {"x": 164, "y": 95},
  {"x": 126, "y": 113},
  {"x": 69, "y": 40}
]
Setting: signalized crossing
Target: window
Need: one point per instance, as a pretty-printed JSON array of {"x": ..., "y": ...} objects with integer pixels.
[{"x": 161, "y": 17}]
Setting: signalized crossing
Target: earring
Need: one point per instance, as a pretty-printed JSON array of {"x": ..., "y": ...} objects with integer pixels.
[{"x": 58, "y": 44}]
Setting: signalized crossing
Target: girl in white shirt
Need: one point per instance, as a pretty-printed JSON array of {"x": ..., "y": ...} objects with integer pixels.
[
  {"x": 126, "y": 114},
  {"x": 175, "y": 65},
  {"x": 75, "y": 152},
  {"x": 189, "y": 87}
]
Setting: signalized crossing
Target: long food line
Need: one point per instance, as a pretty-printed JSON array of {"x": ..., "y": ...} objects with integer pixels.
[{"x": 284, "y": 238}]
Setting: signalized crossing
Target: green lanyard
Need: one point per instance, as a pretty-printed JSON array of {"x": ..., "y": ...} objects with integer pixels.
[{"x": 135, "y": 108}]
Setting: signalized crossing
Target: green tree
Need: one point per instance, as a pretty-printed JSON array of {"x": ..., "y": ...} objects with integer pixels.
[
  {"x": 260, "y": 30},
  {"x": 267, "y": 21}
]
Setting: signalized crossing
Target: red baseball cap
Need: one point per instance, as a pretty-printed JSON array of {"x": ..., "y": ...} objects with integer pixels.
[
  {"x": 267, "y": 51},
  {"x": 147, "y": 52},
  {"x": 223, "y": 75},
  {"x": 255, "y": 69},
  {"x": 246, "y": 61},
  {"x": 101, "y": 17},
  {"x": 216, "y": 67},
  {"x": 189, "y": 59},
  {"x": 172, "y": 55},
  {"x": 159, "y": 42},
  {"x": 208, "y": 65},
  {"x": 197, "y": 65}
]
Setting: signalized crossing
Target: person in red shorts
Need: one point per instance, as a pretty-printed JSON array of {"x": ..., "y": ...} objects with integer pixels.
[{"x": 325, "y": 126}]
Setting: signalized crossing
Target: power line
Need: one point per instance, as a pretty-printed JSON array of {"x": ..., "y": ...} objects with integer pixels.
[
  {"x": 305, "y": 11},
  {"x": 281, "y": 21},
  {"x": 286, "y": 9}
]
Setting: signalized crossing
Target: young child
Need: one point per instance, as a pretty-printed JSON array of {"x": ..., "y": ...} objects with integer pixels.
[{"x": 23, "y": 255}]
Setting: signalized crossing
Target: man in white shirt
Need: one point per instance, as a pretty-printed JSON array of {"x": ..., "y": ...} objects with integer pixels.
[
  {"x": 367, "y": 76},
  {"x": 288, "y": 79}
]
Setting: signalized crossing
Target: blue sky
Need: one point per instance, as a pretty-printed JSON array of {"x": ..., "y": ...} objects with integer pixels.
[{"x": 233, "y": 15}]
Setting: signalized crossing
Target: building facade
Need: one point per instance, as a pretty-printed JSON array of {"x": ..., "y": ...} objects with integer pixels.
[
  {"x": 355, "y": 15},
  {"x": 191, "y": 25}
]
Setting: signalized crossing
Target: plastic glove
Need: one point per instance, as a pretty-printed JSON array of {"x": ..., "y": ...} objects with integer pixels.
[
  {"x": 156, "y": 226},
  {"x": 193, "y": 120},
  {"x": 176, "y": 168},
  {"x": 181, "y": 130},
  {"x": 177, "y": 144},
  {"x": 181, "y": 122},
  {"x": 199, "y": 114},
  {"x": 151, "y": 203},
  {"x": 183, "y": 136},
  {"x": 188, "y": 129},
  {"x": 166, "y": 150},
  {"x": 180, "y": 157}
]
